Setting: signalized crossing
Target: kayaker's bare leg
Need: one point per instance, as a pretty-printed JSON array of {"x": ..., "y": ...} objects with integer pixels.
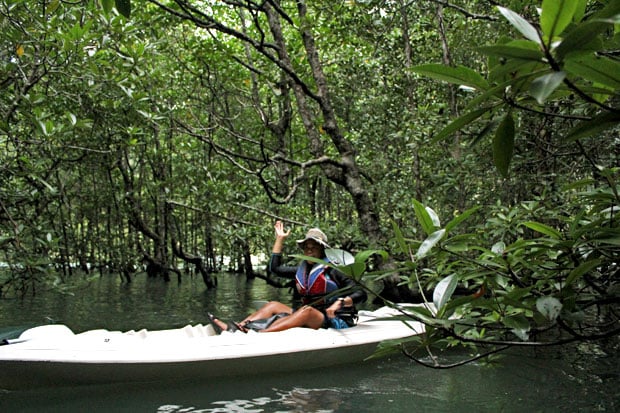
[
  {"x": 304, "y": 317},
  {"x": 268, "y": 310}
]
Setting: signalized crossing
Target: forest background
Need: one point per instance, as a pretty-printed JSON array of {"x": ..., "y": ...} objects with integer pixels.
[{"x": 169, "y": 136}]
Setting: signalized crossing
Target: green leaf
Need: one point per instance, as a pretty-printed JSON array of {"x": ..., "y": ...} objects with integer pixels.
[
  {"x": 512, "y": 52},
  {"x": 581, "y": 38},
  {"x": 597, "y": 124},
  {"x": 503, "y": 144},
  {"x": 107, "y": 5},
  {"x": 543, "y": 86},
  {"x": 520, "y": 24},
  {"x": 400, "y": 238},
  {"x": 460, "y": 123},
  {"x": 555, "y": 16},
  {"x": 583, "y": 268},
  {"x": 429, "y": 243},
  {"x": 517, "y": 321},
  {"x": 580, "y": 10},
  {"x": 363, "y": 256},
  {"x": 424, "y": 218},
  {"x": 596, "y": 69},
  {"x": 543, "y": 229},
  {"x": 460, "y": 218},
  {"x": 459, "y": 75},
  {"x": 124, "y": 7},
  {"x": 443, "y": 291}
]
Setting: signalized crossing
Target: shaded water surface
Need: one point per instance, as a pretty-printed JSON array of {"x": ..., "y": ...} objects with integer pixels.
[{"x": 582, "y": 378}]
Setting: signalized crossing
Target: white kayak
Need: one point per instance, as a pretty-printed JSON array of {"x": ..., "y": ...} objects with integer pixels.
[{"x": 52, "y": 355}]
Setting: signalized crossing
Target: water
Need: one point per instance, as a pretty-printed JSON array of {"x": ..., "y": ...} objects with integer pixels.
[{"x": 582, "y": 378}]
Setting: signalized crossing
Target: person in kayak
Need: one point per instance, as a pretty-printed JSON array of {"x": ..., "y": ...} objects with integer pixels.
[{"x": 314, "y": 283}]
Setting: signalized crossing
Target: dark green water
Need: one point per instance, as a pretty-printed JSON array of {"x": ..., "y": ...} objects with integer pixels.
[{"x": 582, "y": 378}]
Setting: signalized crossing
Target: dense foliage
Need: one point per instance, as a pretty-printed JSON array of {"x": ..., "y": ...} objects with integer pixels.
[{"x": 171, "y": 134}]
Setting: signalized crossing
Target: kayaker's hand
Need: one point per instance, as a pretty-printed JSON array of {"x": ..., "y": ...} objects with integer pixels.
[
  {"x": 337, "y": 305},
  {"x": 280, "y": 232}
]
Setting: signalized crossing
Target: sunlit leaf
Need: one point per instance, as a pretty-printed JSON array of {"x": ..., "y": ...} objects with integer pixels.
[
  {"x": 339, "y": 257},
  {"x": 520, "y": 24},
  {"x": 555, "y": 16},
  {"x": 434, "y": 217},
  {"x": 549, "y": 307},
  {"x": 443, "y": 291},
  {"x": 429, "y": 243},
  {"x": 499, "y": 247},
  {"x": 503, "y": 144},
  {"x": 545, "y": 85}
]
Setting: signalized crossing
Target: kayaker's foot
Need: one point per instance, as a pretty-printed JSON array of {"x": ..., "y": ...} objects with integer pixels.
[
  {"x": 214, "y": 324},
  {"x": 219, "y": 325}
]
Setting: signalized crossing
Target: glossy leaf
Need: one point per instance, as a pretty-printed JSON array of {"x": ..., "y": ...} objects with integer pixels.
[
  {"x": 443, "y": 291},
  {"x": 429, "y": 243},
  {"x": 459, "y": 75},
  {"x": 543, "y": 86},
  {"x": 555, "y": 16},
  {"x": 520, "y": 24},
  {"x": 549, "y": 307},
  {"x": 339, "y": 256},
  {"x": 503, "y": 144}
]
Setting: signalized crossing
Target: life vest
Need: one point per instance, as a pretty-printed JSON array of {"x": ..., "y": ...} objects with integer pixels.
[{"x": 315, "y": 283}]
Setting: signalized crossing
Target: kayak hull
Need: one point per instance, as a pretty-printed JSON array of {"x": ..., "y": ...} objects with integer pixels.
[{"x": 54, "y": 356}]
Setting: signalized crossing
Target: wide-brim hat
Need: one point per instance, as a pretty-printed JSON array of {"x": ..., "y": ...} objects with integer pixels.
[{"x": 314, "y": 234}]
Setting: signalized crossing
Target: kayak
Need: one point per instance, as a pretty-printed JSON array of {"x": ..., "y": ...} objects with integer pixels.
[{"x": 53, "y": 355}]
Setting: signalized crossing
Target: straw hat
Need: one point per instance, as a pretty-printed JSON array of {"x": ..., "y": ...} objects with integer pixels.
[{"x": 314, "y": 234}]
